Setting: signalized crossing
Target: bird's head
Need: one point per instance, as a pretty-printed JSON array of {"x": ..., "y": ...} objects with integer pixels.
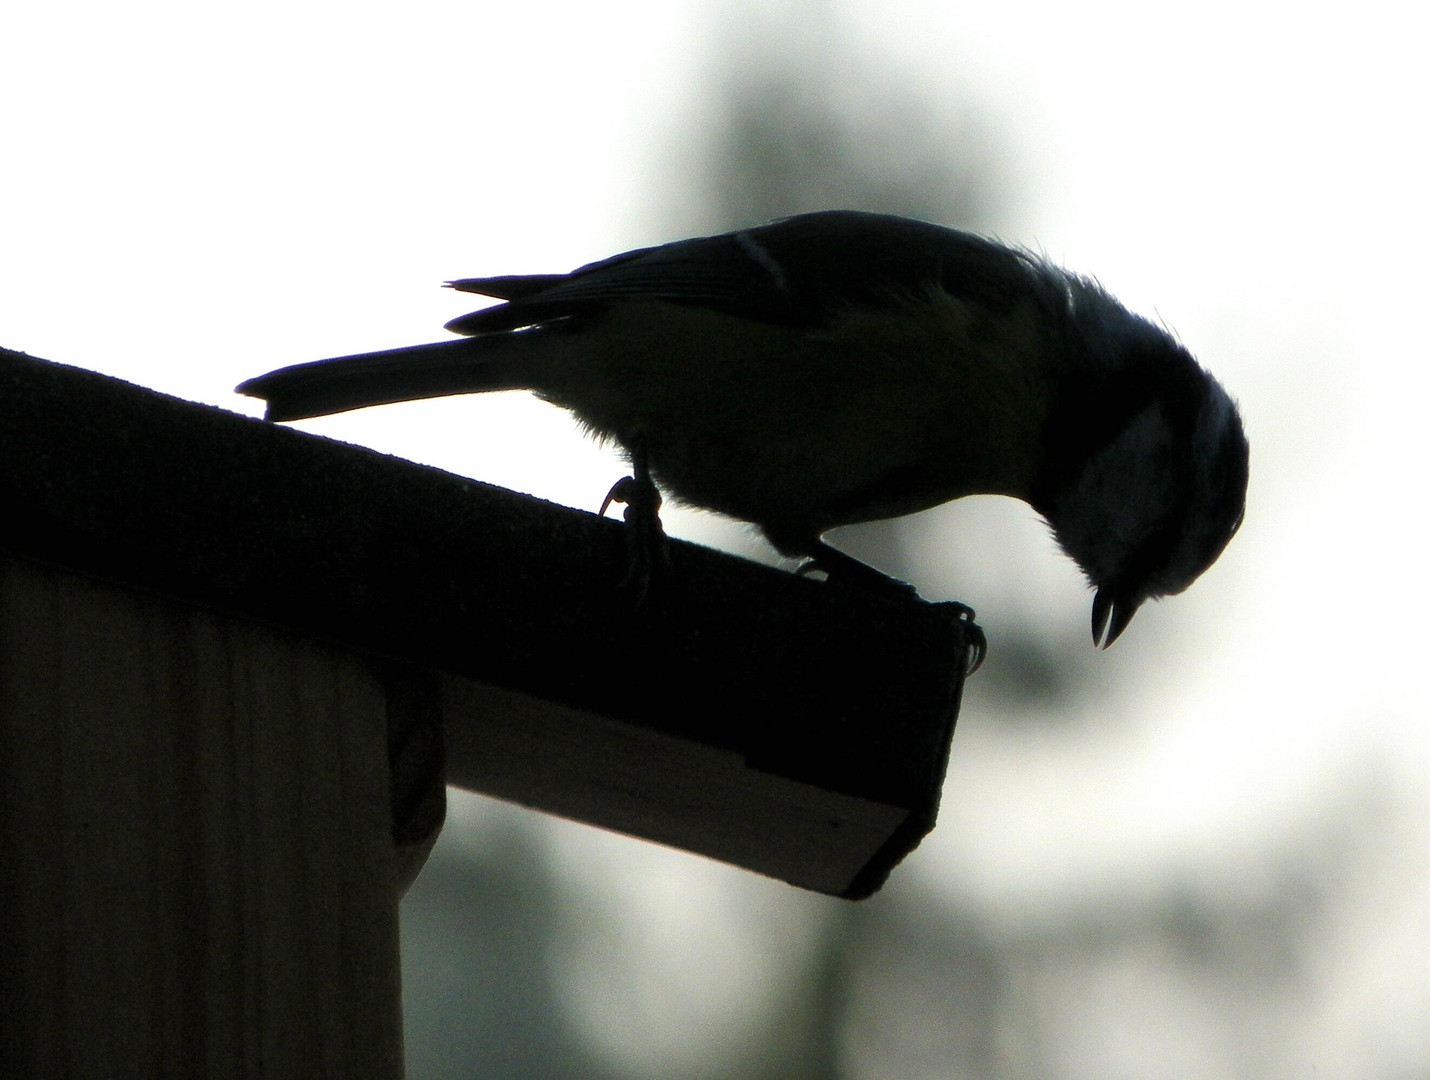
[{"x": 1148, "y": 504}]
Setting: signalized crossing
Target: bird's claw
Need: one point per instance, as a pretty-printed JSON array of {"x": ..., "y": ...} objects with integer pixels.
[
  {"x": 623, "y": 491},
  {"x": 973, "y": 635}
]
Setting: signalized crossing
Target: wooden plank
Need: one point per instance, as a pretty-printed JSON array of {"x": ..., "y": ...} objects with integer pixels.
[
  {"x": 837, "y": 705},
  {"x": 648, "y": 783}
]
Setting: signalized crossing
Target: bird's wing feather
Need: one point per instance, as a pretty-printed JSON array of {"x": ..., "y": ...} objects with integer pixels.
[{"x": 799, "y": 271}]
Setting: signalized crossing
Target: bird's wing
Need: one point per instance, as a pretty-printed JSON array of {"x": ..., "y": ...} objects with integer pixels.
[{"x": 798, "y": 271}]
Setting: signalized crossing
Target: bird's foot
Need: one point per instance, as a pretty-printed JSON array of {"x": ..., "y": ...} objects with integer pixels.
[
  {"x": 845, "y": 570},
  {"x": 647, "y": 547}
]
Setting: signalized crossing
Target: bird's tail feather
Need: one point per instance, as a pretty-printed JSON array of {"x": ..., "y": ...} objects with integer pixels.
[{"x": 466, "y": 366}]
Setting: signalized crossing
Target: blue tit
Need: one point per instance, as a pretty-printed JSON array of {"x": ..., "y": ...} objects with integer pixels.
[{"x": 841, "y": 367}]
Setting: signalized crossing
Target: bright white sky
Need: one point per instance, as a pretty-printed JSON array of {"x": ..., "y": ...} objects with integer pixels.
[{"x": 191, "y": 195}]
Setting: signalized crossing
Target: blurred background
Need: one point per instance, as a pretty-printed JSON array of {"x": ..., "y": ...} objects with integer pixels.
[{"x": 1205, "y": 853}]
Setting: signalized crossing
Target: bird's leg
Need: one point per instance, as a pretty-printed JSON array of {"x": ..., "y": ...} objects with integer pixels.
[{"x": 646, "y": 546}]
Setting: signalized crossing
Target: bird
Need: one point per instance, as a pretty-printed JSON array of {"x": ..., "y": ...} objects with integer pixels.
[{"x": 844, "y": 366}]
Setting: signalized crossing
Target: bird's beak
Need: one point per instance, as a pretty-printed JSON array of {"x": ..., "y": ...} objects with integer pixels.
[{"x": 1110, "y": 615}]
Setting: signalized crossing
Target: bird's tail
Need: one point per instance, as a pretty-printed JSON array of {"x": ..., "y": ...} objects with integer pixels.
[{"x": 464, "y": 366}]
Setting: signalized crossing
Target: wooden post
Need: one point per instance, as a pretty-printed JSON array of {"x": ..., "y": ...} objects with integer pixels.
[{"x": 198, "y": 858}]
